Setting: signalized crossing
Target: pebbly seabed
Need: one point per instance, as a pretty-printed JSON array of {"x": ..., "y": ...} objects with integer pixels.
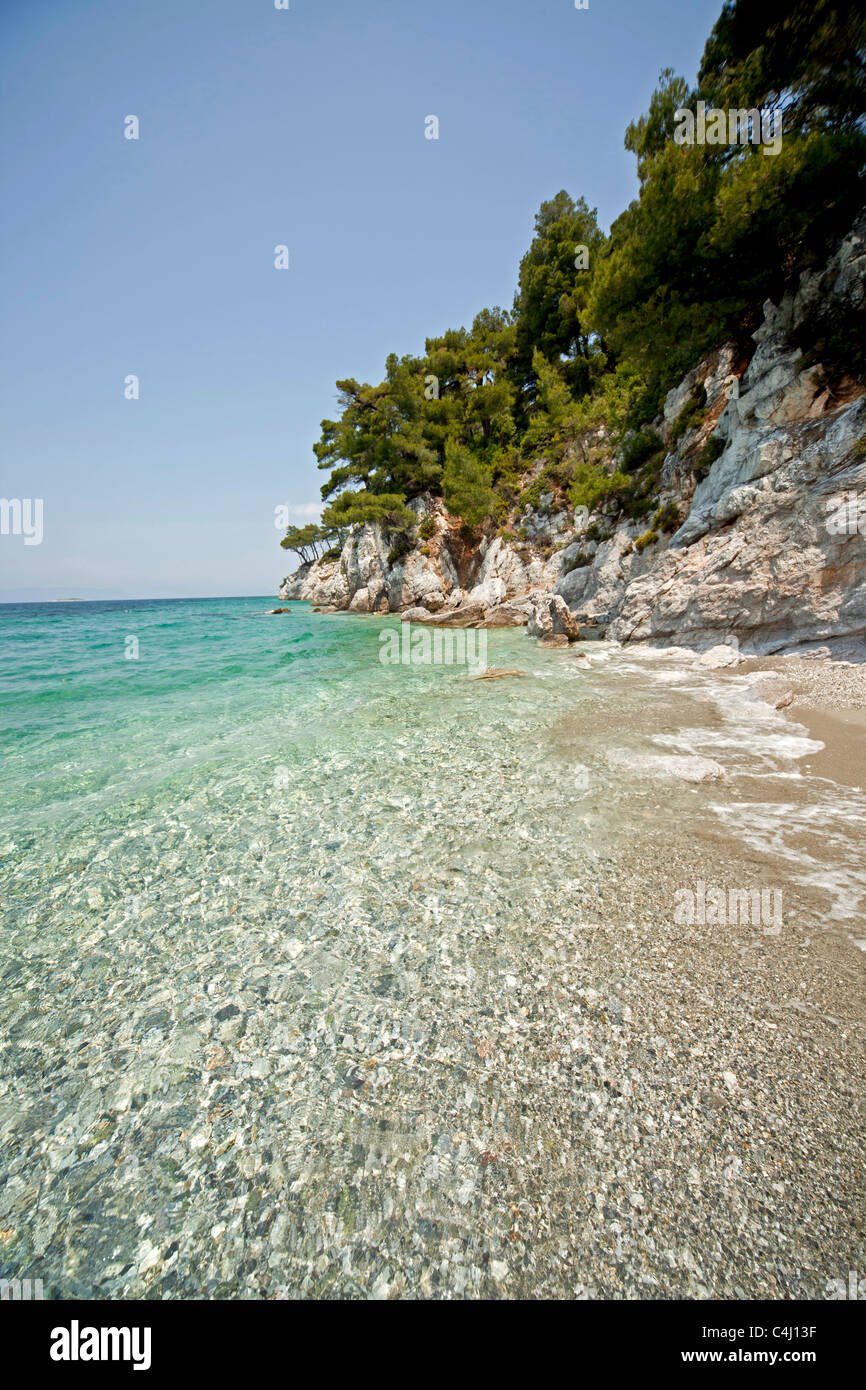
[{"x": 328, "y": 978}]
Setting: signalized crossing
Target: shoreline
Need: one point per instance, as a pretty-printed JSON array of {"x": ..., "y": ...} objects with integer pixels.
[
  {"x": 829, "y": 694},
  {"x": 830, "y": 700}
]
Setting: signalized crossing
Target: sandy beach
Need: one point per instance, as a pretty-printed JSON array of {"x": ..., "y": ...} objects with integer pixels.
[{"x": 830, "y": 699}]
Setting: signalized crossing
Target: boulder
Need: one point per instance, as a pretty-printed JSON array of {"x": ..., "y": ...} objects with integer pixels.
[
  {"x": 770, "y": 689},
  {"x": 489, "y": 593},
  {"x": 325, "y": 583},
  {"x": 718, "y": 657},
  {"x": 360, "y": 601},
  {"x": 684, "y": 767},
  {"x": 467, "y": 615},
  {"x": 550, "y": 616},
  {"x": 505, "y": 615}
]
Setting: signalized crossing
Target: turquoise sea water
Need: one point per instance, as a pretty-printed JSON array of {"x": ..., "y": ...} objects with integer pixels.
[
  {"x": 264, "y": 898},
  {"x": 215, "y": 685},
  {"x": 222, "y": 707}
]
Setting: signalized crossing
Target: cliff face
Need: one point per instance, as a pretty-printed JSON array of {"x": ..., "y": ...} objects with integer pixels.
[
  {"x": 772, "y": 550},
  {"x": 446, "y": 579},
  {"x": 769, "y": 547}
]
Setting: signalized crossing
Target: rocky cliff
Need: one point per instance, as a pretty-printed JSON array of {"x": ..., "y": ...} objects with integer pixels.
[
  {"x": 759, "y": 535},
  {"x": 446, "y": 578}
]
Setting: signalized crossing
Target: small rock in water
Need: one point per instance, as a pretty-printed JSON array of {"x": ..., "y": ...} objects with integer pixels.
[
  {"x": 771, "y": 690},
  {"x": 689, "y": 768},
  {"x": 717, "y": 657},
  {"x": 495, "y": 673}
]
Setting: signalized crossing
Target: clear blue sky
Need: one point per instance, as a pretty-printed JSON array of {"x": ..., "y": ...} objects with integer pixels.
[{"x": 156, "y": 257}]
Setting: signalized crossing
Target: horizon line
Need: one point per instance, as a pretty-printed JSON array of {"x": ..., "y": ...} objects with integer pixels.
[{"x": 144, "y": 598}]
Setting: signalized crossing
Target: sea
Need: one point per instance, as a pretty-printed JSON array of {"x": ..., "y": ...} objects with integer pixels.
[{"x": 272, "y": 906}]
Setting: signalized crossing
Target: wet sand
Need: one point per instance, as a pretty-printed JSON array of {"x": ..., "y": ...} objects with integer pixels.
[{"x": 830, "y": 699}]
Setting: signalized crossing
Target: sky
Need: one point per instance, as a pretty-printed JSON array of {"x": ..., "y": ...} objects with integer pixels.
[{"x": 155, "y": 258}]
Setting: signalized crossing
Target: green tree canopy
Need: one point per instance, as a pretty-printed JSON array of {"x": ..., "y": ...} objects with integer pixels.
[
  {"x": 553, "y": 287},
  {"x": 596, "y": 336}
]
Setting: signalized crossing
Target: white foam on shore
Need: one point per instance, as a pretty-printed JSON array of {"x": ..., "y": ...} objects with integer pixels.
[
  {"x": 836, "y": 826},
  {"x": 772, "y": 749},
  {"x": 819, "y": 839}
]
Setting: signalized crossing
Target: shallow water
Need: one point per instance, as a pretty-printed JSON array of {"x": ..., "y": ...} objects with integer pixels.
[{"x": 264, "y": 898}]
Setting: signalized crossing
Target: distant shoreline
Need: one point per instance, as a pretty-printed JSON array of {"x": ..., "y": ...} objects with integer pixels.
[{"x": 174, "y": 598}]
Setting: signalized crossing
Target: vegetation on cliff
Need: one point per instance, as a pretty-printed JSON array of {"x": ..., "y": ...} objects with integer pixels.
[{"x": 561, "y": 389}]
